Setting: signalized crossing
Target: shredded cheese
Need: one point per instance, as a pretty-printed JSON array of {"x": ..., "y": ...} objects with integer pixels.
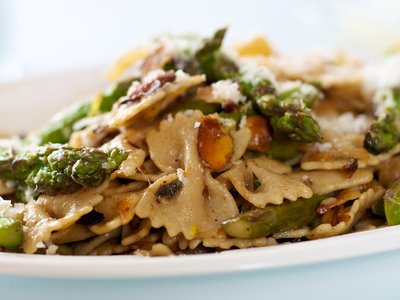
[{"x": 227, "y": 90}]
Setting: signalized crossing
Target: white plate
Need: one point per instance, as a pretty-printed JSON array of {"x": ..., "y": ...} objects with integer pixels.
[
  {"x": 129, "y": 266},
  {"x": 24, "y": 105}
]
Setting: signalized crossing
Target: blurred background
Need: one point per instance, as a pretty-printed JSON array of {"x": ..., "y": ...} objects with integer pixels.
[{"x": 45, "y": 36}]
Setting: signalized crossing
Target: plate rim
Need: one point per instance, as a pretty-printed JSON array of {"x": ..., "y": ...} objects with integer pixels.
[{"x": 342, "y": 247}]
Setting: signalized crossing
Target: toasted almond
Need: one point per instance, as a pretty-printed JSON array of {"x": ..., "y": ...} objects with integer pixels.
[
  {"x": 214, "y": 144},
  {"x": 260, "y": 134}
]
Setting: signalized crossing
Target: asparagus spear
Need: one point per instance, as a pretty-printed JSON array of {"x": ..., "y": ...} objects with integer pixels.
[
  {"x": 289, "y": 118},
  {"x": 59, "y": 129},
  {"x": 56, "y": 169},
  {"x": 215, "y": 64},
  {"x": 11, "y": 234},
  {"x": 283, "y": 149},
  {"x": 109, "y": 96},
  {"x": 384, "y": 132},
  {"x": 273, "y": 218},
  {"x": 208, "y": 60},
  {"x": 300, "y": 90},
  {"x": 391, "y": 203}
]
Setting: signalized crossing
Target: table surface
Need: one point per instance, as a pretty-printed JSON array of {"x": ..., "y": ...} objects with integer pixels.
[{"x": 370, "y": 277}]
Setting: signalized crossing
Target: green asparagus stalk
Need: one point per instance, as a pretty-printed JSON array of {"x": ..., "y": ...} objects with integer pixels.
[
  {"x": 290, "y": 118},
  {"x": 109, "y": 96},
  {"x": 384, "y": 132},
  {"x": 59, "y": 129},
  {"x": 55, "y": 169},
  {"x": 283, "y": 149},
  {"x": 273, "y": 218},
  {"x": 11, "y": 234},
  {"x": 391, "y": 203},
  {"x": 215, "y": 64},
  {"x": 308, "y": 93},
  {"x": 208, "y": 60}
]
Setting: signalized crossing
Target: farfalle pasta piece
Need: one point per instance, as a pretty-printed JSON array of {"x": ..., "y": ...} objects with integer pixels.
[
  {"x": 115, "y": 187},
  {"x": 71, "y": 234},
  {"x": 271, "y": 164},
  {"x": 191, "y": 202},
  {"x": 52, "y": 213},
  {"x": 229, "y": 243},
  {"x": 118, "y": 210},
  {"x": 110, "y": 247},
  {"x": 151, "y": 101},
  {"x": 335, "y": 159},
  {"x": 326, "y": 181},
  {"x": 196, "y": 210},
  {"x": 166, "y": 144},
  {"x": 135, "y": 236},
  {"x": 352, "y": 215},
  {"x": 241, "y": 139},
  {"x": 85, "y": 248},
  {"x": 273, "y": 187}
]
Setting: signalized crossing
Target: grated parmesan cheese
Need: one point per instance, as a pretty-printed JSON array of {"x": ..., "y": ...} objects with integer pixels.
[
  {"x": 227, "y": 122},
  {"x": 379, "y": 79},
  {"x": 383, "y": 75},
  {"x": 227, "y": 90},
  {"x": 254, "y": 73},
  {"x": 303, "y": 88},
  {"x": 383, "y": 99},
  {"x": 196, "y": 124},
  {"x": 345, "y": 123},
  {"x": 183, "y": 45}
]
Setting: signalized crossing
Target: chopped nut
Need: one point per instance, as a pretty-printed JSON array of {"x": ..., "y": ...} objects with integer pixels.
[
  {"x": 214, "y": 144},
  {"x": 260, "y": 135}
]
